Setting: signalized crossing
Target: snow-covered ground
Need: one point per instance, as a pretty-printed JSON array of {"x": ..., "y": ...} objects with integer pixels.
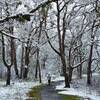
[
  {"x": 16, "y": 91},
  {"x": 79, "y": 88}
]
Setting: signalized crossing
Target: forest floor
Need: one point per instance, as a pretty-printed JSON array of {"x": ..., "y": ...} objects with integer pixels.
[{"x": 18, "y": 89}]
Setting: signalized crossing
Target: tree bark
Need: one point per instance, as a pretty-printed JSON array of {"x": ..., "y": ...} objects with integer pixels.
[
  {"x": 80, "y": 68},
  {"x": 40, "y": 74},
  {"x": 70, "y": 69},
  {"x": 70, "y": 73},
  {"x": 8, "y": 66},
  {"x": 25, "y": 74},
  {"x": 15, "y": 62},
  {"x": 38, "y": 69},
  {"x": 8, "y": 76},
  {"x": 61, "y": 38},
  {"x": 66, "y": 77},
  {"x": 89, "y": 66},
  {"x": 22, "y": 62}
]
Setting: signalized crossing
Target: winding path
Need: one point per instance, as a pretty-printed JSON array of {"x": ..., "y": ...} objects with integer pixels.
[{"x": 49, "y": 92}]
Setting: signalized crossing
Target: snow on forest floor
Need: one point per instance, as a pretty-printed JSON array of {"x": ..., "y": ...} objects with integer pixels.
[
  {"x": 16, "y": 91},
  {"x": 80, "y": 88}
]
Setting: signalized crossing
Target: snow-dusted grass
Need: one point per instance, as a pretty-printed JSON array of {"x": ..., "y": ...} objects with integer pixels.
[
  {"x": 79, "y": 88},
  {"x": 16, "y": 91}
]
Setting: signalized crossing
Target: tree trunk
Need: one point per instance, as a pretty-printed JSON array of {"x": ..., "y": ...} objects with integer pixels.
[
  {"x": 89, "y": 66},
  {"x": 67, "y": 83},
  {"x": 8, "y": 66},
  {"x": 40, "y": 74},
  {"x": 25, "y": 74},
  {"x": 70, "y": 70},
  {"x": 15, "y": 63},
  {"x": 22, "y": 63},
  {"x": 8, "y": 75},
  {"x": 36, "y": 71},
  {"x": 70, "y": 73},
  {"x": 37, "y": 64},
  {"x": 80, "y": 68},
  {"x": 16, "y": 69}
]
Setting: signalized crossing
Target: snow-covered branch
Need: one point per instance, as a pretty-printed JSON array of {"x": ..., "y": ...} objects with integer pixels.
[
  {"x": 11, "y": 36},
  {"x": 20, "y": 15},
  {"x": 51, "y": 44},
  {"x": 75, "y": 66},
  {"x": 42, "y": 5}
]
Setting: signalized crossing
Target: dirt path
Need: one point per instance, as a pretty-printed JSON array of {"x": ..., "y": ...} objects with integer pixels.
[{"x": 49, "y": 92}]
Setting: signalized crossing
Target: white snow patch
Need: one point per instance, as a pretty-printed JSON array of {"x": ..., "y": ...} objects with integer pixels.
[
  {"x": 16, "y": 91},
  {"x": 58, "y": 78},
  {"x": 79, "y": 88},
  {"x": 26, "y": 66},
  {"x": 21, "y": 9},
  {"x": 70, "y": 7},
  {"x": 79, "y": 93}
]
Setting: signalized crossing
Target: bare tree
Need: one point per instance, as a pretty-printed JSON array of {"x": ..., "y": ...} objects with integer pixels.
[{"x": 4, "y": 59}]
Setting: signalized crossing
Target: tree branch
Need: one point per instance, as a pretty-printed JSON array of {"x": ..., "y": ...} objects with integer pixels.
[
  {"x": 28, "y": 14},
  {"x": 42, "y": 5},
  {"x": 11, "y": 36},
  {"x": 51, "y": 44},
  {"x": 75, "y": 66}
]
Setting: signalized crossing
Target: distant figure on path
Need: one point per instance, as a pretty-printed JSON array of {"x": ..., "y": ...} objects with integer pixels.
[{"x": 49, "y": 79}]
